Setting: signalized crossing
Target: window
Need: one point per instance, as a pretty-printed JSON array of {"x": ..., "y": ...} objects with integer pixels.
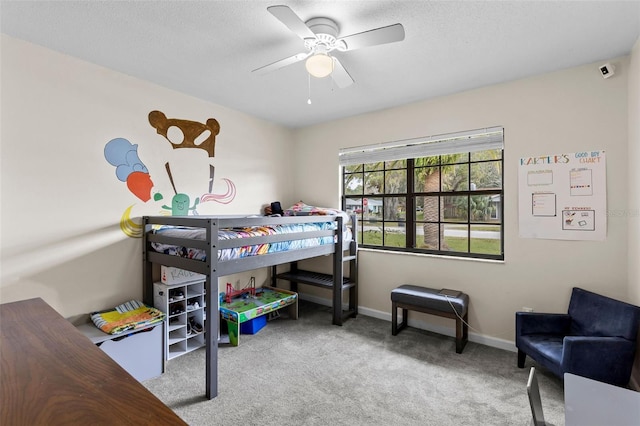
[{"x": 440, "y": 195}]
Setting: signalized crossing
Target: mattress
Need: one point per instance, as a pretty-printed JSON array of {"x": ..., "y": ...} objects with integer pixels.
[{"x": 248, "y": 250}]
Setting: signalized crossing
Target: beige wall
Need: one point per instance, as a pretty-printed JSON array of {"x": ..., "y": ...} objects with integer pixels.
[
  {"x": 562, "y": 112},
  {"x": 634, "y": 193},
  {"x": 634, "y": 174},
  {"x": 61, "y": 200}
]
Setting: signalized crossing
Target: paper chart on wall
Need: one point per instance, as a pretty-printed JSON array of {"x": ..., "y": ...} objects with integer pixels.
[{"x": 563, "y": 196}]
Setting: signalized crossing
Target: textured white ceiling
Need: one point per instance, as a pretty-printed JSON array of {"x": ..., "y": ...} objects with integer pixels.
[{"x": 207, "y": 49}]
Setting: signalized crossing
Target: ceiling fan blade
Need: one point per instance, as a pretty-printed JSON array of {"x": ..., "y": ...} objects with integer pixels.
[
  {"x": 340, "y": 75},
  {"x": 282, "y": 63},
  {"x": 382, "y": 35},
  {"x": 292, "y": 21}
]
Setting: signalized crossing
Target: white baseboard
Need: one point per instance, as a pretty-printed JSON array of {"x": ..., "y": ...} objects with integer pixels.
[{"x": 423, "y": 325}]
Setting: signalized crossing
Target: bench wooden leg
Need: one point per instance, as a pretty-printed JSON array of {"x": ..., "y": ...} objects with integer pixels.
[
  {"x": 462, "y": 333},
  {"x": 394, "y": 319},
  {"x": 395, "y": 328}
]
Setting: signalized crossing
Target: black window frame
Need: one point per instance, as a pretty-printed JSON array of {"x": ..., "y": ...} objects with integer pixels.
[{"x": 410, "y": 197}]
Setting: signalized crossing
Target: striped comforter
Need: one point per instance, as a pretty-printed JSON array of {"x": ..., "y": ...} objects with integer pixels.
[{"x": 249, "y": 250}]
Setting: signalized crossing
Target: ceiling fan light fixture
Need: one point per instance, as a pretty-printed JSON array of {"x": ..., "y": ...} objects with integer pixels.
[{"x": 319, "y": 65}]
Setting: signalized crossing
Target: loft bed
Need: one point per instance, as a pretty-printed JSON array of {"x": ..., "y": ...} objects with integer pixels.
[{"x": 217, "y": 246}]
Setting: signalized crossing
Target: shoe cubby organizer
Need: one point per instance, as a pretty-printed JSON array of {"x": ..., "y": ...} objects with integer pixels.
[{"x": 185, "y": 307}]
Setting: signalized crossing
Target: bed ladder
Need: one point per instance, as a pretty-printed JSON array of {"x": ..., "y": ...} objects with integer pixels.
[{"x": 338, "y": 283}]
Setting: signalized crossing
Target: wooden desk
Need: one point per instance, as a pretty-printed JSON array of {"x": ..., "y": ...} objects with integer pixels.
[{"x": 52, "y": 374}]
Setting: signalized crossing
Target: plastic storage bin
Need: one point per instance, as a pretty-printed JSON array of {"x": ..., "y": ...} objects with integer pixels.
[{"x": 254, "y": 325}]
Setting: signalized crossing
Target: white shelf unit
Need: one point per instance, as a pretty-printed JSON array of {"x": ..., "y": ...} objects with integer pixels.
[{"x": 178, "y": 301}]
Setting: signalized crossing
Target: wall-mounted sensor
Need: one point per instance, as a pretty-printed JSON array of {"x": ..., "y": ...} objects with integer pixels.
[{"x": 607, "y": 70}]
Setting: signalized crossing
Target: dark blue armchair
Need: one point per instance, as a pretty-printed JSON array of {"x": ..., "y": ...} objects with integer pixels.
[{"x": 595, "y": 339}]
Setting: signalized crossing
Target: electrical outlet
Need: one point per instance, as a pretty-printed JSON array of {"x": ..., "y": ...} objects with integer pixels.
[{"x": 526, "y": 309}]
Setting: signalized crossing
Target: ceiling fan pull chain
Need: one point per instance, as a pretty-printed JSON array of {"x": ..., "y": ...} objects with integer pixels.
[{"x": 309, "y": 87}]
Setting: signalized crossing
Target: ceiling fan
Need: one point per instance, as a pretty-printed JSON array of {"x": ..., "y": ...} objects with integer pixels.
[{"x": 320, "y": 36}]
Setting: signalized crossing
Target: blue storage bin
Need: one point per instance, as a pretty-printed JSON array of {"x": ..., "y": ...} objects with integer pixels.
[{"x": 254, "y": 325}]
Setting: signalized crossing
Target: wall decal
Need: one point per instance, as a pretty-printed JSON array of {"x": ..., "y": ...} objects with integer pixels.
[
  {"x": 225, "y": 198},
  {"x": 128, "y": 226},
  {"x": 179, "y": 202},
  {"x": 123, "y": 155},
  {"x": 192, "y": 131}
]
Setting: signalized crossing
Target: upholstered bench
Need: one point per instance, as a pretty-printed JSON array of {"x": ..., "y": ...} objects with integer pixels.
[{"x": 434, "y": 302}]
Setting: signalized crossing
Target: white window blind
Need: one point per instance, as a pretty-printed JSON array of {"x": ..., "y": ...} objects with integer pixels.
[{"x": 452, "y": 143}]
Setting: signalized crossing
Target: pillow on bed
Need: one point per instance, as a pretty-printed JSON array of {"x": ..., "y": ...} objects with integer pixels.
[{"x": 302, "y": 209}]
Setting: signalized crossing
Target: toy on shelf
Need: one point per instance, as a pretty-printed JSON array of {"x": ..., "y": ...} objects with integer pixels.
[{"x": 249, "y": 289}]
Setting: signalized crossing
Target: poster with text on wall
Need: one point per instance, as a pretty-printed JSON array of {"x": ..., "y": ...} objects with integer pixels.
[{"x": 563, "y": 196}]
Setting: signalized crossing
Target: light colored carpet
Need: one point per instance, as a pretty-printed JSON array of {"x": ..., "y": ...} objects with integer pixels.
[{"x": 309, "y": 372}]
